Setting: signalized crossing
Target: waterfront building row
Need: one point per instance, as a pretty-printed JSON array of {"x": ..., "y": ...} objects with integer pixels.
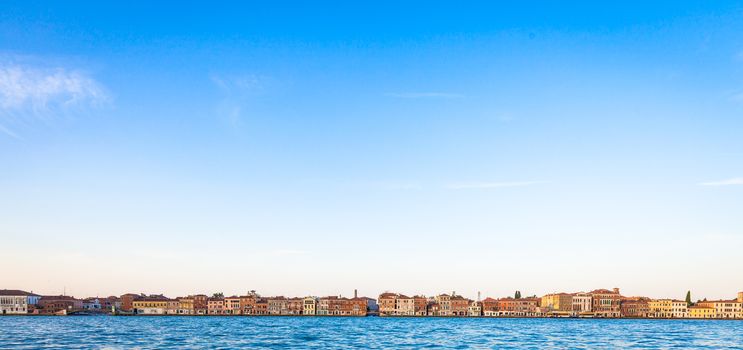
[
  {"x": 251, "y": 304},
  {"x": 601, "y": 303}
]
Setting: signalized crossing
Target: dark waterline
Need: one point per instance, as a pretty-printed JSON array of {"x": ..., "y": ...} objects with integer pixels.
[{"x": 365, "y": 332}]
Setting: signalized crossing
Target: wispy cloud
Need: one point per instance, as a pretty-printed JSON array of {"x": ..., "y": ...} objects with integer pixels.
[
  {"x": 727, "y": 182},
  {"x": 486, "y": 185},
  {"x": 424, "y": 95},
  {"x": 40, "y": 89},
  {"x": 37, "y": 91},
  {"x": 236, "y": 92}
]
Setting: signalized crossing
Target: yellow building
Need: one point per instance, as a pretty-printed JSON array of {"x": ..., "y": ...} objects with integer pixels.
[
  {"x": 724, "y": 308},
  {"x": 667, "y": 308},
  {"x": 558, "y": 303},
  {"x": 701, "y": 312},
  {"x": 153, "y": 305},
  {"x": 309, "y": 306},
  {"x": 185, "y": 306}
]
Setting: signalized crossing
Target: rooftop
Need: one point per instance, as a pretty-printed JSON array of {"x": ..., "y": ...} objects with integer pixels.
[{"x": 17, "y": 292}]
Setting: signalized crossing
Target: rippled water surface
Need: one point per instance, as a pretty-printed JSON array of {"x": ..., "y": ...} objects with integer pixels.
[{"x": 368, "y": 332}]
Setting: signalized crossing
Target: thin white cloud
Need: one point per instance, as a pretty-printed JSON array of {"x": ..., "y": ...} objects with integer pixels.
[
  {"x": 486, "y": 185},
  {"x": 31, "y": 92},
  {"x": 43, "y": 89},
  {"x": 424, "y": 95},
  {"x": 727, "y": 182},
  {"x": 8, "y": 132}
]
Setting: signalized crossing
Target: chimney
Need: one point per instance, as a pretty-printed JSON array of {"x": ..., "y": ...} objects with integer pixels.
[
  {"x": 355, "y": 293},
  {"x": 478, "y": 295},
  {"x": 616, "y": 290}
]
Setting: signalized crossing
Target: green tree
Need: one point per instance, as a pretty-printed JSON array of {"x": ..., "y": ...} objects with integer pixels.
[
  {"x": 218, "y": 295},
  {"x": 688, "y": 298},
  {"x": 517, "y": 295}
]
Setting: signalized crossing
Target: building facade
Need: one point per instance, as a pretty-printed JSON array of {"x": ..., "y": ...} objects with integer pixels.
[
  {"x": 13, "y": 302},
  {"x": 606, "y": 303},
  {"x": 558, "y": 304},
  {"x": 635, "y": 307},
  {"x": 232, "y": 305},
  {"x": 701, "y": 312},
  {"x": 475, "y": 309},
  {"x": 724, "y": 308},
  {"x": 490, "y": 307},
  {"x": 151, "y": 305},
  {"x": 582, "y": 303},
  {"x": 459, "y": 305},
  {"x": 395, "y": 304},
  {"x": 200, "y": 304},
  {"x": 55, "y": 304},
  {"x": 309, "y": 306},
  {"x": 522, "y": 307},
  {"x": 666, "y": 308},
  {"x": 215, "y": 306}
]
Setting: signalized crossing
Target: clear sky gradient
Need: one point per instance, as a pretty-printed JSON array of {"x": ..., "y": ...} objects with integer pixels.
[{"x": 417, "y": 147}]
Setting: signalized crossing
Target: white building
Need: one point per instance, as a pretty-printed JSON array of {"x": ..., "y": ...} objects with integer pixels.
[
  {"x": 581, "y": 303},
  {"x": 92, "y": 304},
  {"x": 13, "y": 302}
]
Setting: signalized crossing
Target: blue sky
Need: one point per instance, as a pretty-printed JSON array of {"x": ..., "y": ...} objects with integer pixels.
[{"x": 418, "y": 147}]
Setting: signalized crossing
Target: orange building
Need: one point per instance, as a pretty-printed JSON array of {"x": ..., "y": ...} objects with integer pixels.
[
  {"x": 355, "y": 307},
  {"x": 261, "y": 307},
  {"x": 490, "y": 307},
  {"x": 394, "y": 304},
  {"x": 215, "y": 306},
  {"x": 127, "y": 301},
  {"x": 420, "y": 305},
  {"x": 247, "y": 304},
  {"x": 522, "y": 307}
]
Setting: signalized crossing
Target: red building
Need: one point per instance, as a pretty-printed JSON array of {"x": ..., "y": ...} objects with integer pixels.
[
  {"x": 606, "y": 303},
  {"x": 634, "y": 307},
  {"x": 54, "y": 304}
]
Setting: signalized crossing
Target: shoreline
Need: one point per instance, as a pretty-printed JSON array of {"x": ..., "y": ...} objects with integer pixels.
[{"x": 389, "y": 316}]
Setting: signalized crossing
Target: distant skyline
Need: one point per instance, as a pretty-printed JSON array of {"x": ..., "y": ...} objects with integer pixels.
[{"x": 314, "y": 149}]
